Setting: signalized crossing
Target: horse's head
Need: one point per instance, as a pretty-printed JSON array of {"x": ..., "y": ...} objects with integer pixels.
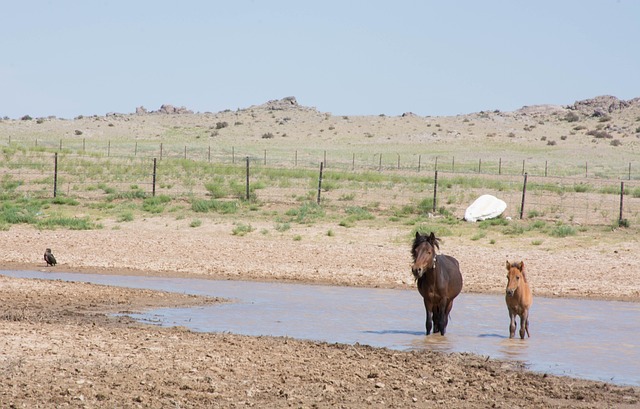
[
  {"x": 515, "y": 276},
  {"x": 424, "y": 253}
]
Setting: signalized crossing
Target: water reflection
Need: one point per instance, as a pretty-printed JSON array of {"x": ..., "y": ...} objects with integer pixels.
[{"x": 582, "y": 338}]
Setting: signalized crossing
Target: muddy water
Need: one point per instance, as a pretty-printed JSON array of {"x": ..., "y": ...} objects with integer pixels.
[{"x": 588, "y": 339}]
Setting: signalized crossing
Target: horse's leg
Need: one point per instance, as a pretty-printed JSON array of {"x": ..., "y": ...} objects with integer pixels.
[
  {"x": 524, "y": 324},
  {"x": 443, "y": 318},
  {"x": 512, "y": 324},
  {"x": 427, "y": 308},
  {"x": 436, "y": 320}
]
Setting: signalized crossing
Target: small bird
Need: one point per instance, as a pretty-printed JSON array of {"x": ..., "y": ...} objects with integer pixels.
[{"x": 49, "y": 258}]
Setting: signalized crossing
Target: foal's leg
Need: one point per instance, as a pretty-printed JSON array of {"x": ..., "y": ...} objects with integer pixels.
[
  {"x": 512, "y": 324},
  {"x": 524, "y": 324}
]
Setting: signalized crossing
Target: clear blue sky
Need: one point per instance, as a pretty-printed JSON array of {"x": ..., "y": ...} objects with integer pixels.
[{"x": 360, "y": 57}]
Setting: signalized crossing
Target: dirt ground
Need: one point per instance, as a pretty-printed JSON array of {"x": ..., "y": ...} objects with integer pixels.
[{"x": 60, "y": 347}]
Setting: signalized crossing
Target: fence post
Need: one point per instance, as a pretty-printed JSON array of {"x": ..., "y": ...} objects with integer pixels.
[
  {"x": 545, "y": 167},
  {"x": 247, "y": 190},
  {"x": 109, "y": 148},
  {"x": 435, "y": 191},
  {"x": 353, "y": 161},
  {"x": 453, "y": 164},
  {"x": 524, "y": 193},
  {"x": 324, "y": 160},
  {"x": 135, "y": 150},
  {"x": 83, "y": 144},
  {"x": 185, "y": 152},
  {"x": 320, "y": 182},
  {"x": 621, "y": 199},
  {"x": 629, "y": 170},
  {"x": 586, "y": 169},
  {"x": 160, "y": 150},
  {"x": 419, "y": 162},
  {"x": 153, "y": 192},
  {"x": 209, "y": 155},
  {"x": 523, "y": 172},
  {"x": 480, "y": 165},
  {"x": 265, "y": 157},
  {"x": 380, "y": 163},
  {"x": 500, "y": 166},
  {"x": 55, "y": 174},
  {"x": 233, "y": 154},
  {"x": 398, "y": 161}
]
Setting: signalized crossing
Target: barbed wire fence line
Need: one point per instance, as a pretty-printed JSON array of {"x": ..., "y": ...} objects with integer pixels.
[
  {"x": 360, "y": 159},
  {"x": 93, "y": 177}
]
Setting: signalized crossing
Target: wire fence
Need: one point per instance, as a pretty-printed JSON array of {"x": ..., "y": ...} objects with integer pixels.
[
  {"x": 338, "y": 159},
  {"x": 576, "y": 200}
]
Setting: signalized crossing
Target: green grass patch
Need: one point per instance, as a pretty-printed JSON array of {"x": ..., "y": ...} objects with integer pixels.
[
  {"x": 71, "y": 223},
  {"x": 155, "y": 204},
  {"x": 563, "y": 230},
  {"x": 307, "y": 213},
  {"x": 242, "y": 229}
]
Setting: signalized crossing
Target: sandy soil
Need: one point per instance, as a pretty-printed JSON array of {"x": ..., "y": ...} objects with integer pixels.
[{"x": 60, "y": 348}]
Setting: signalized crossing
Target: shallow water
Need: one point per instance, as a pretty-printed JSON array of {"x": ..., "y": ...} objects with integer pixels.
[{"x": 596, "y": 340}]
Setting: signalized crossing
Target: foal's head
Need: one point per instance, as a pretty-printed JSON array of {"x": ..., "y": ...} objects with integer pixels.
[
  {"x": 424, "y": 253},
  {"x": 515, "y": 276}
]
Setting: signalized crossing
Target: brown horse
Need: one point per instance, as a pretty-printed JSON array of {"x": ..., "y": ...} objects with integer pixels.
[
  {"x": 518, "y": 297},
  {"x": 438, "y": 279}
]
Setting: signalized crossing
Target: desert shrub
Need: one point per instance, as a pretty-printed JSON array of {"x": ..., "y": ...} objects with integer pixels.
[
  {"x": 267, "y": 135},
  {"x": 242, "y": 229},
  {"x": 155, "y": 204},
  {"x": 579, "y": 127},
  {"x": 358, "y": 213},
  {"x": 61, "y": 200},
  {"x": 571, "y": 117},
  {"x": 616, "y": 142},
  {"x": 220, "y": 125},
  {"x": 425, "y": 206},
  {"x": 26, "y": 118},
  {"x": 563, "y": 138},
  {"x": 600, "y": 134},
  {"x": 216, "y": 190},
  {"x": 306, "y": 213},
  {"x": 581, "y": 188},
  {"x": 78, "y": 132},
  {"x": 563, "y": 230},
  {"x": 126, "y": 216},
  {"x": 71, "y": 223},
  {"x": 551, "y": 143},
  {"x": 498, "y": 221},
  {"x": 513, "y": 230}
]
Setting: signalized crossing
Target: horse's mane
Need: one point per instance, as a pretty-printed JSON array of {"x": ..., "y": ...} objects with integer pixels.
[{"x": 431, "y": 239}]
